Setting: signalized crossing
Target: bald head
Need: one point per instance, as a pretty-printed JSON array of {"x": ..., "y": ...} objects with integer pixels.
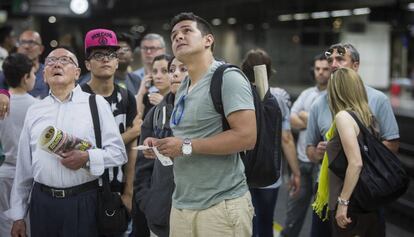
[
  {"x": 30, "y": 44},
  {"x": 61, "y": 69}
]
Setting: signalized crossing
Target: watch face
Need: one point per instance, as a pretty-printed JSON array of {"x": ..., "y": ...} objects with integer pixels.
[{"x": 187, "y": 149}]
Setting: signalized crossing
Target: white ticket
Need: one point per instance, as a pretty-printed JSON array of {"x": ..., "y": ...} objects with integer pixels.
[{"x": 165, "y": 160}]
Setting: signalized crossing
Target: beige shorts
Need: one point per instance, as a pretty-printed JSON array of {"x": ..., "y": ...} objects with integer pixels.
[{"x": 229, "y": 218}]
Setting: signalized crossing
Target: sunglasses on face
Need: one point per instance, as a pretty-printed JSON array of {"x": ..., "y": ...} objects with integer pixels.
[
  {"x": 339, "y": 49},
  {"x": 64, "y": 60}
]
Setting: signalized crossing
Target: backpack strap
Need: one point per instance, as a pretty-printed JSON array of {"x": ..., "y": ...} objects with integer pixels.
[
  {"x": 98, "y": 137},
  {"x": 215, "y": 92},
  {"x": 95, "y": 119},
  {"x": 361, "y": 126}
]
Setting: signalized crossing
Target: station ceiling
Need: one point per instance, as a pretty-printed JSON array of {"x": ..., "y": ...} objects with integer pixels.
[{"x": 151, "y": 9}]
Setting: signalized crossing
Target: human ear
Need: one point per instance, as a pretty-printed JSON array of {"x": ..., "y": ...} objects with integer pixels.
[
  {"x": 88, "y": 65},
  {"x": 209, "y": 40}
]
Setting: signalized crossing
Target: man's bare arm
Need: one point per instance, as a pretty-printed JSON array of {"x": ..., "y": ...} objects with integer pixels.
[
  {"x": 296, "y": 122},
  {"x": 132, "y": 132},
  {"x": 315, "y": 153},
  {"x": 241, "y": 136},
  {"x": 289, "y": 150},
  {"x": 129, "y": 175},
  {"x": 393, "y": 145}
]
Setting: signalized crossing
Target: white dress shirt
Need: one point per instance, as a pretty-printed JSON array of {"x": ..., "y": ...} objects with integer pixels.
[{"x": 72, "y": 116}]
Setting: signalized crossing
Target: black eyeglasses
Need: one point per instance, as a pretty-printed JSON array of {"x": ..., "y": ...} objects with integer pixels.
[
  {"x": 150, "y": 49},
  {"x": 30, "y": 43},
  {"x": 99, "y": 56},
  {"x": 124, "y": 50},
  {"x": 178, "y": 111},
  {"x": 64, "y": 60},
  {"x": 339, "y": 49}
]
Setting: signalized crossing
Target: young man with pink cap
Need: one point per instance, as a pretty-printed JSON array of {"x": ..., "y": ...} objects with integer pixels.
[{"x": 101, "y": 47}]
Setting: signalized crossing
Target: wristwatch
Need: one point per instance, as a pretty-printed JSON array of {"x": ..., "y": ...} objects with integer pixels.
[{"x": 187, "y": 148}]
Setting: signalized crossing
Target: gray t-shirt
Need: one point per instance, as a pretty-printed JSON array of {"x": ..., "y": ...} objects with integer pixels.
[
  {"x": 10, "y": 129},
  {"x": 320, "y": 117},
  {"x": 304, "y": 103},
  {"x": 204, "y": 180}
]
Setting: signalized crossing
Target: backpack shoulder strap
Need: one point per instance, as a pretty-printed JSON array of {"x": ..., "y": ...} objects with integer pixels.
[
  {"x": 95, "y": 120},
  {"x": 97, "y": 129},
  {"x": 361, "y": 126},
  {"x": 215, "y": 92}
]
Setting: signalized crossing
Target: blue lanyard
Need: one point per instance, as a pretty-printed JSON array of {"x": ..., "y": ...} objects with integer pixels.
[{"x": 180, "y": 106}]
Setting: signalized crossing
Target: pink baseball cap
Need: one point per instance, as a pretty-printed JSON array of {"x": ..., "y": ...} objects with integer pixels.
[{"x": 100, "y": 38}]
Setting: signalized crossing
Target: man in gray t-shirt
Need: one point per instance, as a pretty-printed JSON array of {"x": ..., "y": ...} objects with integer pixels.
[
  {"x": 298, "y": 205},
  {"x": 320, "y": 118},
  {"x": 211, "y": 196}
]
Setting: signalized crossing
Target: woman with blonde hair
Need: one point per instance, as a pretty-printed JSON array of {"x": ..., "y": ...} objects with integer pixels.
[{"x": 346, "y": 93}]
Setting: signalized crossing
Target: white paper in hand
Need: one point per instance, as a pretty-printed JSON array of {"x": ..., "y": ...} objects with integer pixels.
[
  {"x": 141, "y": 148},
  {"x": 165, "y": 160}
]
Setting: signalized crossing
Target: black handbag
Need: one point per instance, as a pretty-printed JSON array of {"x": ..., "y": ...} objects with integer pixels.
[
  {"x": 382, "y": 179},
  {"x": 112, "y": 215}
]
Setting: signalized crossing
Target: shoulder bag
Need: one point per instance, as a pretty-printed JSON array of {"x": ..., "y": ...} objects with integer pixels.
[
  {"x": 112, "y": 215},
  {"x": 383, "y": 178}
]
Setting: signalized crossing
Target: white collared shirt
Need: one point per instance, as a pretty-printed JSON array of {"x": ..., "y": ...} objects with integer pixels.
[{"x": 72, "y": 116}]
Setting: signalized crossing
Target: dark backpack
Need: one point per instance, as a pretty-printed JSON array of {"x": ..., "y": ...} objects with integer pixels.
[{"x": 262, "y": 164}]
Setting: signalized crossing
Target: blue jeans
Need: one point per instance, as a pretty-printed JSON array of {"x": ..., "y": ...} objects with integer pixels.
[{"x": 264, "y": 202}]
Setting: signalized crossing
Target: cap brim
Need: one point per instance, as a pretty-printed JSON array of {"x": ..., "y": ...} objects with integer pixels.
[{"x": 102, "y": 47}]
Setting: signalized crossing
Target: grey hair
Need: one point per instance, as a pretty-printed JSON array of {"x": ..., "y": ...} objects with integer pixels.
[
  {"x": 352, "y": 50},
  {"x": 153, "y": 36}
]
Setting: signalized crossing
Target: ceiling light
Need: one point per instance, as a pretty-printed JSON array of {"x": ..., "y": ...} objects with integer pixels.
[
  {"x": 410, "y": 6},
  {"x": 286, "y": 17},
  {"x": 232, "y": 21},
  {"x": 361, "y": 11},
  {"x": 53, "y": 43},
  {"x": 340, "y": 13},
  {"x": 249, "y": 26},
  {"x": 52, "y": 19},
  {"x": 319, "y": 15},
  {"x": 301, "y": 16},
  {"x": 265, "y": 25},
  {"x": 216, "y": 22},
  {"x": 79, "y": 6}
]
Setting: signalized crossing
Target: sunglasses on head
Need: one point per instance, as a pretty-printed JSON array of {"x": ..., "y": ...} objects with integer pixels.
[{"x": 339, "y": 49}]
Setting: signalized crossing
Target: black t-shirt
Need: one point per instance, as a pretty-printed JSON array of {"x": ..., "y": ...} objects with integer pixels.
[{"x": 123, "y": 106}]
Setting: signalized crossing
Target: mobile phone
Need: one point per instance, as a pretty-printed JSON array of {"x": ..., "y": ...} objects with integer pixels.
[{"x": 149, "y": 84}]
